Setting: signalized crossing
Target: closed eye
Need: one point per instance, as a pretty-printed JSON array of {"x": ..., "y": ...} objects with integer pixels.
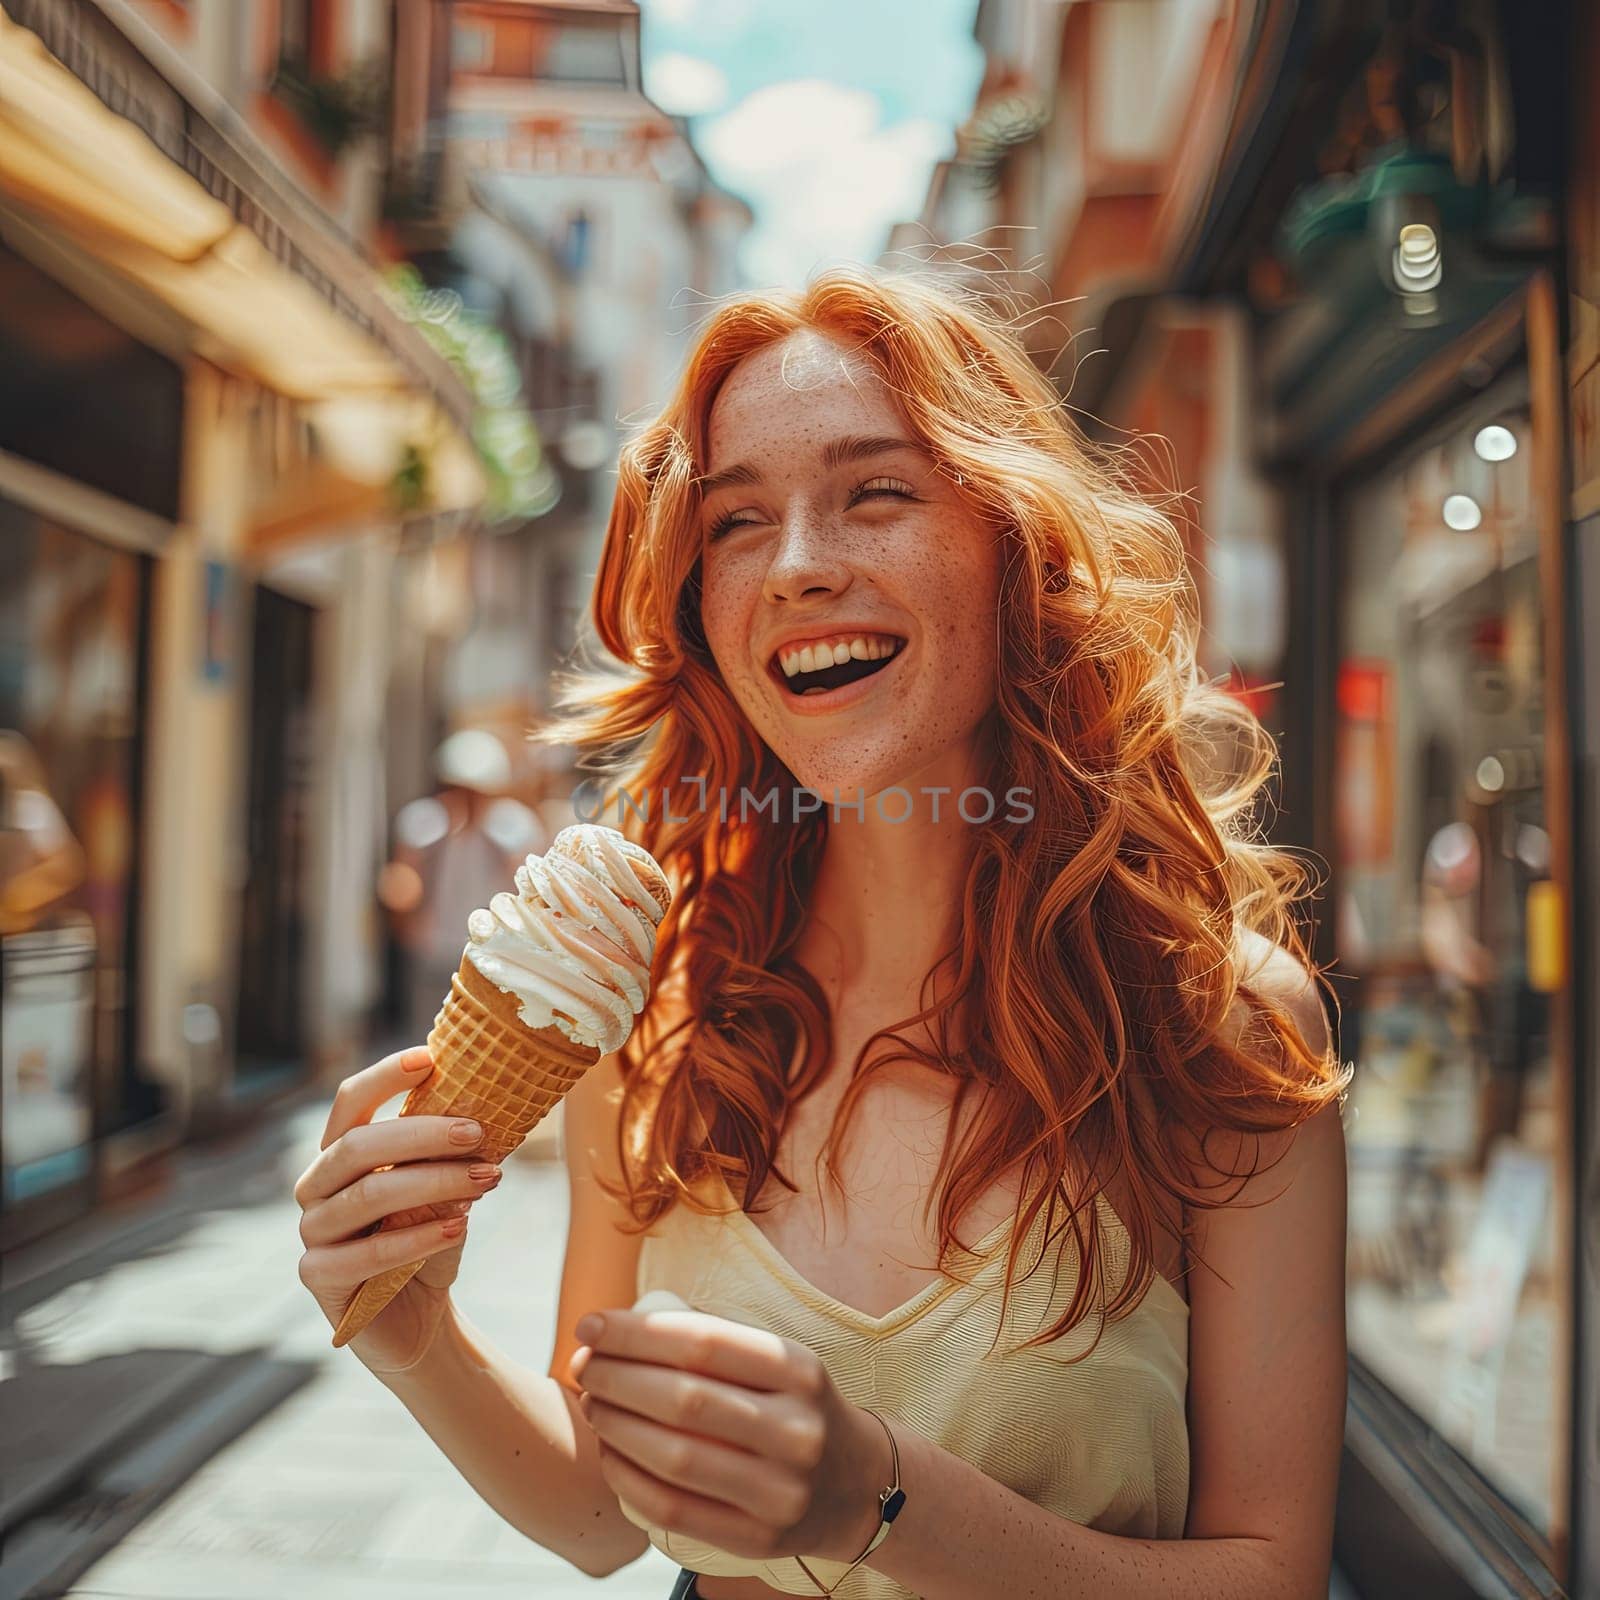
[
  {"x": 862, "y": 491},
  {"x": 881, "y": 486}
]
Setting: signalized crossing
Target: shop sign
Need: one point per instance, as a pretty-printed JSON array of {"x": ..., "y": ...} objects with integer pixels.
[
  {"x": 1365, "y": 779},
  {"x": 216, "y": 604}
]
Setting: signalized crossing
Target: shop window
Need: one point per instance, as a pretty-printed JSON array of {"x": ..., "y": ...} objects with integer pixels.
[
  {"x": 1448, "y": 933},
  {"x": 70, "y": 610}
]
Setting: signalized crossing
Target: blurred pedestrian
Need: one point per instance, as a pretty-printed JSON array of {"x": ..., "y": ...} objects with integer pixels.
[{"x": 453, "y": 850}]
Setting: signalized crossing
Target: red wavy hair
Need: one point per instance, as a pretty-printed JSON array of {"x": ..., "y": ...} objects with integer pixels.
[{"x": 1099, "y": 947}]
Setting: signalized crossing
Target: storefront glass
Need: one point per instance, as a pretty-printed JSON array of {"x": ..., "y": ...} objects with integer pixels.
[
  {"x": 1449, "y": 939},
  {"x": 69, "y": 630}
]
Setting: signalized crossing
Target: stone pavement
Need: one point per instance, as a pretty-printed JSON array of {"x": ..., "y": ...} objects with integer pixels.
[{"x": 336, "y": 1493}]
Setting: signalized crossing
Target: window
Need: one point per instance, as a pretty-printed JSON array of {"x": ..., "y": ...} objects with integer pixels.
[
  {"x": 295, "y": 30},
  {"x": 305, "y": 36},
  {"x": 586, "y": 50},
  {"x": 472, "y": 47},
  {"x": 1448, "y": 929},
  {"x": 70, "y": 623}
]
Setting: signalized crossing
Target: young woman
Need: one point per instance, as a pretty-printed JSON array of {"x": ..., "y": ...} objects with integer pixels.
[{"x": 980, "y": 1020}]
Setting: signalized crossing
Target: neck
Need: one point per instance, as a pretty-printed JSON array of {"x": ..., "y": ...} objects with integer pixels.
[{"x": 887, "y": 901}]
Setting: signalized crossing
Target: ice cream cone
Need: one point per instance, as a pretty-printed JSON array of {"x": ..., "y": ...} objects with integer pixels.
[{"x": 489, "y": 1065}]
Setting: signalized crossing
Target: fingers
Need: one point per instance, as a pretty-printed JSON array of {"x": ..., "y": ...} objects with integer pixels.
[
  {"x": 363, "y": 1092},
  {"x": 384, "y": 1144},
  {"x": 344, "y": 1267},
  {"x": 711, "y": 1346},
  {"x": 696, "y": 1516},
  {"x": 691, "y": 1404},
  {"x": 411, "y": 1188},
  {"x": 760, "y": 1488}
]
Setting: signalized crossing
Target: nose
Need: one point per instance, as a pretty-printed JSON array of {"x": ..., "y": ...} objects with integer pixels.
[{"x": 805, "y": 563}]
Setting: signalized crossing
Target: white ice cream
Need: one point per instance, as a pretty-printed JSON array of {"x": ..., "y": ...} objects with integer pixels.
[{"x": 575, "y": 942}]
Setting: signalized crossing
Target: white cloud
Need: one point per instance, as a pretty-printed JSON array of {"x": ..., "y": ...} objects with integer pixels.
[
  {"x": 685, "y": 86},
  {"x": 787, "y": 124},
  {"x": 826, "y": 180}
]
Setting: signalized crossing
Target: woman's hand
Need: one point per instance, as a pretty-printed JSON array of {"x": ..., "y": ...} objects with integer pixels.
[
  {"x": 730, "y": 1435},
  {"x": 418, "y": 1170}
]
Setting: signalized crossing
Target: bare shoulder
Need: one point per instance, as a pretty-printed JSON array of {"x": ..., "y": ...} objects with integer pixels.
[
  {"x": 1282, "y": 978},
  {"x": 1293, "y": 1179}
]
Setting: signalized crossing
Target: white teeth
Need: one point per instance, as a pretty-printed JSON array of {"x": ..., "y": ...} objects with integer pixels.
[{"x": 813, "y": 658}]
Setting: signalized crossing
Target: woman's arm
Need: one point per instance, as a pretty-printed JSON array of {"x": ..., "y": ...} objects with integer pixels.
[{"x": 517, "y": 1436}]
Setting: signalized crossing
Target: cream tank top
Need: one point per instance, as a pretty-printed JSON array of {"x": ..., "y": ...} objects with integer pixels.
[{"x": 1104, "y": 1443}]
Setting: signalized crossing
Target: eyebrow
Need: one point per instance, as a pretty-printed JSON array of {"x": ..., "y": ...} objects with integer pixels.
[{"x": 850, "y": 447}]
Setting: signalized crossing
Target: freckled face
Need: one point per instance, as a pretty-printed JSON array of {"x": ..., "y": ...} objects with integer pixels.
[{"x": 877, "y": 544}]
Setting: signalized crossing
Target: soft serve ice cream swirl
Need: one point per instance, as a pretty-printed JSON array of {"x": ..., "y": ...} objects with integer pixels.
[{"x": 575, "y": 942}]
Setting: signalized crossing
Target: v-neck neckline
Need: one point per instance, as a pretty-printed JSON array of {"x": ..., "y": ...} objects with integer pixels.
[{"x": 924, "y": 1299}]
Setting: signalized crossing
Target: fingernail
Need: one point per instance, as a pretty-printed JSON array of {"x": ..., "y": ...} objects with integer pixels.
[
  {"x": 420, "y": 1064},
  {"x": 590, "y": 1328},
  {"x": 466, "y": 1133},
  {"x": 480, "y": 1173},
  {"x": 452, "y": 1226}
]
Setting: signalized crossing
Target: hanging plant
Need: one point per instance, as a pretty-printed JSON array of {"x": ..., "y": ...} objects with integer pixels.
[
  {"x": 522, "y": 483},
  {"x": 339, "y": 110},
  {"x": 997, "y": 125},
  {"x": 409, "y": 487}
]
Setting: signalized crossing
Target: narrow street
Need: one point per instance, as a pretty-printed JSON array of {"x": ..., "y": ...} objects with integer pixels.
[
  {"x": 415, "y": 415},
  {"x": 334, "y": 1493}
]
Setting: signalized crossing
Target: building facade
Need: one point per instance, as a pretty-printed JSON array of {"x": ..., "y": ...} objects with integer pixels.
[
  {"x": 211, "y": 399},
  {"x": 1340, "y": 262}
]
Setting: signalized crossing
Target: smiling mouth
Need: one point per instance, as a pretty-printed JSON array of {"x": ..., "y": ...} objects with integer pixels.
[{"x": 834, "y": 676}]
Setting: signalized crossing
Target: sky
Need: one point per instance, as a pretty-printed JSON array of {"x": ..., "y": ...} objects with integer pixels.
[{"x": 826, "y": 116}]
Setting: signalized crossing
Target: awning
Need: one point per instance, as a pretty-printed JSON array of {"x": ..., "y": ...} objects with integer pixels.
[
  {"x": 70, "y": 163},
  {"x": 63, "y": 153}
]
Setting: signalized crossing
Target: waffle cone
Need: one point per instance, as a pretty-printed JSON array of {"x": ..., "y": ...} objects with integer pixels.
[{"x": 490, "y": 1066}]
